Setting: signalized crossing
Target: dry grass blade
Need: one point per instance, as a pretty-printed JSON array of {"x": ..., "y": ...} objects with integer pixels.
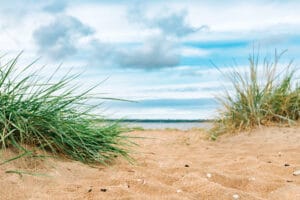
[{"x": 268, "y": 93}]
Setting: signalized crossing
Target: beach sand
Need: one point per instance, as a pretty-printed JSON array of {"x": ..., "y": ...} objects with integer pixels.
[{"x": 172, "y": 164}]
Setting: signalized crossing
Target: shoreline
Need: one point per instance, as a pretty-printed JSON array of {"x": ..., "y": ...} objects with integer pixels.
[
  {"x": 161, "y": 120},
  {"x": 180, "y": 126},
  {"x": 161, "y": 124}
]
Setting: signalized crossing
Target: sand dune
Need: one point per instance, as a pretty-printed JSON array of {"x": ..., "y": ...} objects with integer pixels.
[{"x": 173, "y": 165}]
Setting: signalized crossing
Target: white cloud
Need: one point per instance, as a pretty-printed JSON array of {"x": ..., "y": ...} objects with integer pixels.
[
  {"x": 59, "y": 39},
  {"x": 109, "y": 22},
  {"x": 191, "y": 52},
  {"x": 56, "y": 6},
  {"x": 170, "y": 23},
  {"x": 156, "y": 52}
]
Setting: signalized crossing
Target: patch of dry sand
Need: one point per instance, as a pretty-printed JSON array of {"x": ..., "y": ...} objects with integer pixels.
[{"x": 173, "y": 165}]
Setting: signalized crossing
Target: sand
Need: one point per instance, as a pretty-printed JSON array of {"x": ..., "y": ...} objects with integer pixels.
[{"x": 172, "y": 165}]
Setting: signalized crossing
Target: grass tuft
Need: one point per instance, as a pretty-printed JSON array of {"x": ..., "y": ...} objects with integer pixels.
[
  {"x": 54, "y": 117},
  {"x": 268, "y": 93}
]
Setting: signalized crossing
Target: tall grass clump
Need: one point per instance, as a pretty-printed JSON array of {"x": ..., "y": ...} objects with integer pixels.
[
  {"x": 52, "y": 116},
  {"x": 267, "y": 93}
]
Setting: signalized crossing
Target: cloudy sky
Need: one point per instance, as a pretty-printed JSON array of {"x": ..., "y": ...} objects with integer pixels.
[{"x": 158, "y": 53}]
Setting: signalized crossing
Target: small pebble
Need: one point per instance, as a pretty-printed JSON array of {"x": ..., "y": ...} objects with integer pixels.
[
  {"x": 141, "y": 180},
  {"x": 269, "y": 161},
  {"x": 90, "y": 190},
  {"x": 286, "y": 164},
  {"x": 208, "y": 175},
  {"x": 235, "y": 196},
  {"x": 186, "y": 166},
  {"x": 103, "y": 189},
  {"x": 289, "y": 181},
  {"x": 178, "y": 191},
  {"x": 296, "y": 173}
]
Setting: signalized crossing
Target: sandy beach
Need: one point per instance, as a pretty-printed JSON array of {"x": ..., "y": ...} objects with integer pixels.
[{"x": 172, "y": 164}]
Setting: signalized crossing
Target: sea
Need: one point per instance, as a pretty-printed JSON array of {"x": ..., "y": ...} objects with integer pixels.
[{"x": 168, "y": 124}]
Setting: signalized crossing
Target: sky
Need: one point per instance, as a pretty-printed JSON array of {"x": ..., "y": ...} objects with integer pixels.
[{"x": 156, "y": 53}]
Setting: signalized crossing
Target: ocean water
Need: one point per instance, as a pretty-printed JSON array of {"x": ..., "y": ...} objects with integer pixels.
[
  {"x": 182, "y": 114},
  {"x": 165, "y": 109},
  {"x": 181, "y": 125}
]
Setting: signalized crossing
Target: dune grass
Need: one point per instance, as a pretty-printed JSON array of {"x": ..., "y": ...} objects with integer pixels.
[
  {"x": 268, "y": 93},
  {"x": 54, "y": 117}
]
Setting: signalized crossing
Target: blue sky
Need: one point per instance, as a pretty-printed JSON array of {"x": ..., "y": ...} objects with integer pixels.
[{"x": 158, "y": 53}]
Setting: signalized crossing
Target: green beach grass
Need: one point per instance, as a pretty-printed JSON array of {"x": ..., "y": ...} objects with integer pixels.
[
  {"x": 268, "y": 93},
  {"x": 53, "y": 117}
]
